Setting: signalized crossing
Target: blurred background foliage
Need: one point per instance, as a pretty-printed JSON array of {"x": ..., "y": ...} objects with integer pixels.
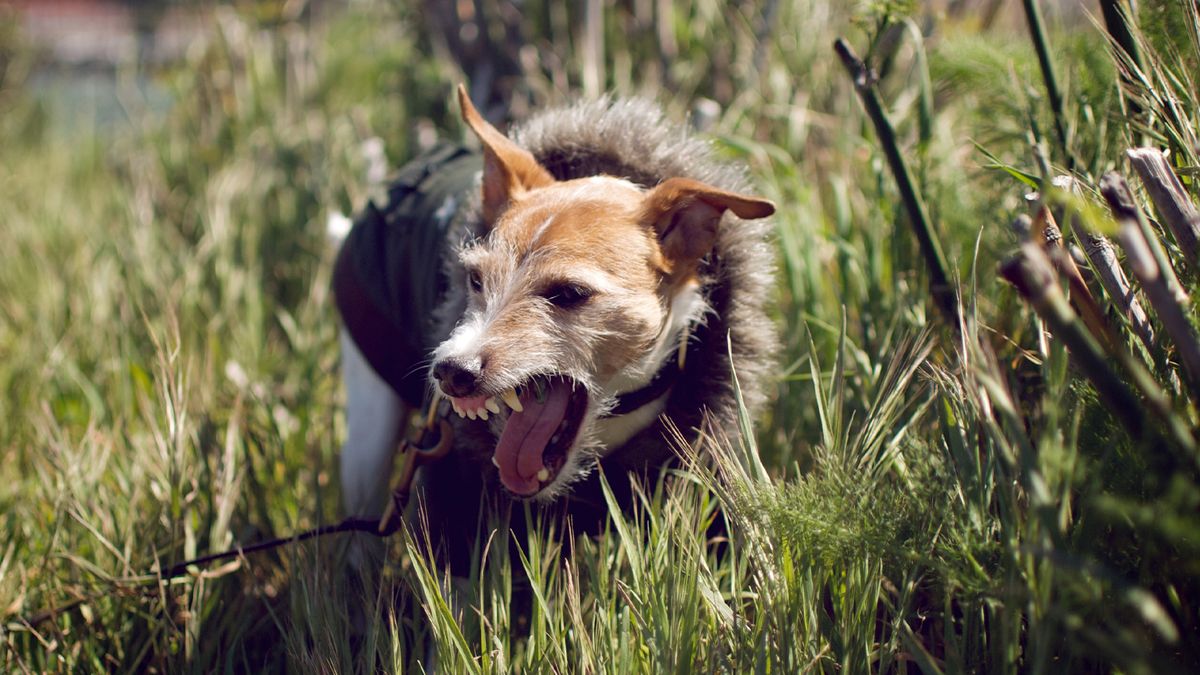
[{"x": 930, "y": 498}]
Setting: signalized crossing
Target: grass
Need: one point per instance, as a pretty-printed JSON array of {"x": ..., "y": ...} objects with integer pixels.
[{"x": 916, "y": 498}]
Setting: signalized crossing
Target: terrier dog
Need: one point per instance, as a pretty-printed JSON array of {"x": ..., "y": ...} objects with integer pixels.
[{"x": 595, "y": 284}]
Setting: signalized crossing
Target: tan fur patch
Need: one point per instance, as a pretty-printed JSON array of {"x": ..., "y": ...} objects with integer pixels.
[{"x": 583, "y": 233}]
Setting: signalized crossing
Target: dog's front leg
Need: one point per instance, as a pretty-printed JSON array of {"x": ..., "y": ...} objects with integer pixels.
[{"x": 375, "y": 417}]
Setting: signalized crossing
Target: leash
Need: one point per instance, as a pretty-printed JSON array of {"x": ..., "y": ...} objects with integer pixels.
[
  {"x": 428, "y": 443},
  {"x": 425, "y": 444}
]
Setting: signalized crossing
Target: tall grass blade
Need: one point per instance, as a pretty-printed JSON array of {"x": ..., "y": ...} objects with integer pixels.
[{"x": 1037, "y": 33}]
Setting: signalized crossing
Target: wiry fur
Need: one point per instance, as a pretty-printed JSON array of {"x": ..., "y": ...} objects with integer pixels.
[{"x": 629, "y": 139}]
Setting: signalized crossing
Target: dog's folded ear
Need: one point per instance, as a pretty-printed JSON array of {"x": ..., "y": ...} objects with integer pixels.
[
  {"x": 508, "y": 169},
  {"x": 686, "y": 213}
]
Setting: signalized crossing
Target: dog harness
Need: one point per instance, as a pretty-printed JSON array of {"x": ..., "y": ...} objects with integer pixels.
[{"x": 389, "y": 275}]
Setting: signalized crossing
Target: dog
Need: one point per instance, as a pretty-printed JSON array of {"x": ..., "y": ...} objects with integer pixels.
[{"x": 576, "y": 291}]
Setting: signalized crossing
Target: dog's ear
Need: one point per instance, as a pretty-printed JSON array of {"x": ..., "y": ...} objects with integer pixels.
[
  {"x": 508, "y": 169},
  {"x": 685, "y": 213}
]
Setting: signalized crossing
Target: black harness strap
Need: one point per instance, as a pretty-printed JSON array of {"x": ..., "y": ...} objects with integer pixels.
[{"x": 632, "y": 400}]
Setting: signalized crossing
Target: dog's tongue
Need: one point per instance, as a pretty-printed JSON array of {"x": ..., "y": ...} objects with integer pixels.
[{"x": 525, "y": 436}]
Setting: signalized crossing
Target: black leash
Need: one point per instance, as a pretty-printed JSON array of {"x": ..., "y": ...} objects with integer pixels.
[
  {"x": 420, "y": 450},
  {"x": 368, "y": 525},
  {"x": 372, "y": 526},
  {"x": 432, "y": 442}
]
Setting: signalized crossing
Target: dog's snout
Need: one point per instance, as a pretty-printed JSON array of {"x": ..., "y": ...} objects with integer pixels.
[{"x": 455, "y": 378}]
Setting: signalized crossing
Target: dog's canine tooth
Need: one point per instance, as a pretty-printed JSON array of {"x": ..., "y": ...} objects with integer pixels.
[
  {"x": 457, "y": 409},
  {"x": 510, "y": 397},
  {"x": 491, "y": 404},
  {"x": 495, "y": 462},
  {"x": 543, "y": 474},
  {"x": 483, "y": 414}
]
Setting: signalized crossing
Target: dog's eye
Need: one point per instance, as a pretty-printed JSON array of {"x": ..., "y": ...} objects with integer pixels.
[
  {"x": 475, "y": 281},
  {"x": 567, "y": 296}
]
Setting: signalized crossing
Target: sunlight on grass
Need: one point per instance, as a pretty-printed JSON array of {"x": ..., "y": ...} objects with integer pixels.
[{"x": 917, "y": 498}]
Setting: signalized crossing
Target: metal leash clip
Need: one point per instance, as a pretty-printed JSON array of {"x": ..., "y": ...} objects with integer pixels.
[{"x": 424, "y": 444}]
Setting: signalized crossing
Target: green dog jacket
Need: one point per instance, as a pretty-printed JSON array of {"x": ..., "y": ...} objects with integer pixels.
[{"x": 389, "y": 275}]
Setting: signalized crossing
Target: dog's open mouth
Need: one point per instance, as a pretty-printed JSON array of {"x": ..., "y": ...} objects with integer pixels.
[{"x": 545, "y": 415}]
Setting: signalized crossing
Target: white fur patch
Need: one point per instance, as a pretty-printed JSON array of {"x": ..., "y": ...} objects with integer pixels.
[
  {"x": 687, "y": 308},
  {"x": 612, "y": 432},
  {"x": 464, "y": 343}
]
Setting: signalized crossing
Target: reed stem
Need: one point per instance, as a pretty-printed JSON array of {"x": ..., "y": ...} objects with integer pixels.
[
  {"x": 939, "y": 281},
  {"x": 1037, "y": 32},
  {"x": 1150, "y": 265}
]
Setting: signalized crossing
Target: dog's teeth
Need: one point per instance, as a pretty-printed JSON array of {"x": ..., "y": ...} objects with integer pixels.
[
  {"x": 543, "y": 474},
  {"x": 510, "y": 397},
  {"x": 491, "y": 404},
  {"x": 482, "y": 412},
  {"x": 495, "y": 462},
  {"x": 470, "y": 413},
  {"x": 455, "y": 406}
]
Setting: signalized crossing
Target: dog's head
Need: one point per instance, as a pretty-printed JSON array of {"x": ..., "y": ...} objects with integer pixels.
[{"x": 577, "y": 292}]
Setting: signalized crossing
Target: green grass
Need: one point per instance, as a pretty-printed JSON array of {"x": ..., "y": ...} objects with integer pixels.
[{"x": 915, "y": 499}]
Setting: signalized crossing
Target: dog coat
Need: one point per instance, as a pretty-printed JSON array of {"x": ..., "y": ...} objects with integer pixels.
[
  {"x": 394, "y": 269},
  {"x": 389, "y": 276}
]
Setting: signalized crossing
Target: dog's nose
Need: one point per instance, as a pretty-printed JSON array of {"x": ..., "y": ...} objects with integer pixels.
[{"x": 455, "y": 379}]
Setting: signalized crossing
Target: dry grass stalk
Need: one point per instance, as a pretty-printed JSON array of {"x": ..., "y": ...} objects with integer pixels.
[
  {"x": 1178, "y": 213},
  {"x": 1046, "y": 232},
  {"x": 1099, "y": 250},
  {"x": 1033, "y": 275},
  {"x": 1149, "y": 264}
]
